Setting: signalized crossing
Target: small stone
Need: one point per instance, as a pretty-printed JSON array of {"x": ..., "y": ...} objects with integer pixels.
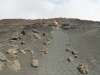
[
  {"x": 47, "y": 42},
  {"x": 74, "y": 52},
  {"x": 68, "y": 49},
  {"x": 71, "y": 58},
  {"x": 14, "y": 45},
  {"x": 1, "y": 46},
  {"x": 44, "y": 34},
  {"x": 34, "y": 63},
  {"x": 23, "y": 43},
  {"x": 23, "y": 32},
  {"x": 31, "y": 51},
  {"x": 22, "y": 51},
  {"x": 92, "y": 60},
  {"x": 75, "y": 56},
  {"x": 45, "y": 50}
]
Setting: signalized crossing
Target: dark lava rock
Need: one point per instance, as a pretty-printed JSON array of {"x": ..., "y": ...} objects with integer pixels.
[
  {"x": 23, "y": 32},
  {"x": 44, "y": 34},
  {"x": 23, "y": 43}
]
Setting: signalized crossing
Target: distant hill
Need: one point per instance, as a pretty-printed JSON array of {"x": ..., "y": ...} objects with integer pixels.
[{"x": 51, "y": 20}]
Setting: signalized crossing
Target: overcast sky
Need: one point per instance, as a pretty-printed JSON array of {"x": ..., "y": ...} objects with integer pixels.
[{"x": 35, "y": 9}]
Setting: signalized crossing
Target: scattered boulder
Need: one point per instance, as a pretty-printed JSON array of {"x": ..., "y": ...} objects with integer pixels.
[
  {"x": 69, "y": 50},
  {"x": 74, "y": 52},
  {"x": 14, "y": 37},
  {"x": 44, "y": 34},
  {"x": 13, "y": 53},
  {"x": 23, "y": 43},
  {"x": 66, "y": 26},
  {"x": 10, "y": 44},
  {"x": 45, "y": 51},
  {"x": 47, "y": 42},
  {"x": 11, "y": 65},
  {"x": 83, "y": 68},
  {"x": 23, "y": 32},
  {"x": 12, "y": 40},
  {"x": 35, "y": 31},
  {"x": 37, "y": 36},
  {"x": 75, "y": 56},
  {"x": 92, "y": 60},
  {"x": 2, "y": 64},
  {"x": 71, "y": 58},
  {"x": 1, "y": 46},
  {"x": 22, "y": 51},
  {"x": 29, "y": 50},
  {"x": 14, "y": 46},
  {"x": 2, "y": 57},
  {"x": 34, "y": 63},
  {"x": 17, "y": 64}
]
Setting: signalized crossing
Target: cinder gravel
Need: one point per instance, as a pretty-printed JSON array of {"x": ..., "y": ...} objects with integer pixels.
[{"x": 86, "y": 42}]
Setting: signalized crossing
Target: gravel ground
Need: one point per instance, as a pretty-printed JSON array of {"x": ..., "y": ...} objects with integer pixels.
[{"x": 86, "y": 42}]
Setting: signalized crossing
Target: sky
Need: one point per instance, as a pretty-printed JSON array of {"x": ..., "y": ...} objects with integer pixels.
[{"x": 39, "y": 9}]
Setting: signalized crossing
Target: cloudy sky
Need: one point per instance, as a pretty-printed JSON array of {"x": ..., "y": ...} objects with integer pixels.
[{"x": 34, "y": 9}]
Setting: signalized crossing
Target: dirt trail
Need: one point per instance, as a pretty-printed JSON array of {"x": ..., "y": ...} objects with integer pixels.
[{"x": 55, "y": 62}]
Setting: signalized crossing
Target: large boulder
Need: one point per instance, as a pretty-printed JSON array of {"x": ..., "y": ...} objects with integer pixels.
[
  {"x": 13, "y": 65},
  {"x": 83, "y": 68}
]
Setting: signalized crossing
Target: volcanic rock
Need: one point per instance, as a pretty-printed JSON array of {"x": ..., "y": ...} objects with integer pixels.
[
  {"x": 74, "y": 52},
  {"x": 71, "y": 58},
  {"x": 34, "y": 63},
  {"x": 83, "y": 68}
]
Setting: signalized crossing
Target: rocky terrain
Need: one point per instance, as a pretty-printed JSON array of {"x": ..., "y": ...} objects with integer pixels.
[{"x": 36, "y": 47}]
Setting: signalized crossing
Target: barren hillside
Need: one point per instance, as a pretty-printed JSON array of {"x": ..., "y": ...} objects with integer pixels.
[{"x": 60, "y": 20}]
